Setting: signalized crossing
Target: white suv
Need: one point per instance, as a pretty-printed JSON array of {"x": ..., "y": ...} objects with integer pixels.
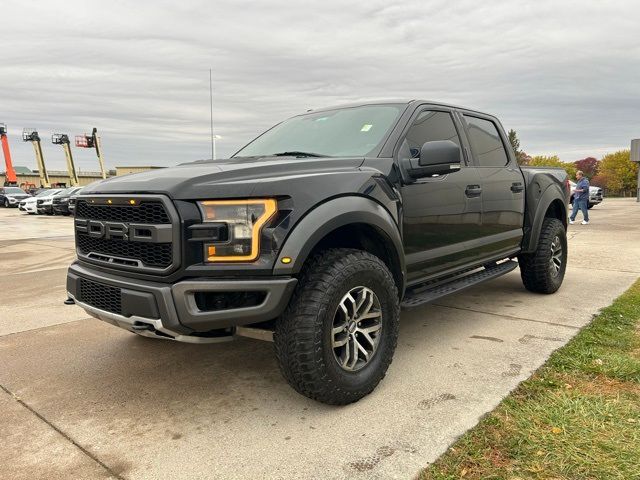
[{"x": 30, "y": 205}]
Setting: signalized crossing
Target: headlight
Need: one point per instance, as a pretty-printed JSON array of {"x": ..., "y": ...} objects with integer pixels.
[{"x": 241, "y": 223}]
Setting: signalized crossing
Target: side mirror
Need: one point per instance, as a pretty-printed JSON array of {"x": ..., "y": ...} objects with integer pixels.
[
  {"x": 439, "y": 152},
  {"x": 439, "y": 157}
]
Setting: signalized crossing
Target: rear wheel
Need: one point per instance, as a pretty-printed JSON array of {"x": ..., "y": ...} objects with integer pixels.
[
  {"x": 337, "y": 337},
  {"x": 591, "y": 205},
  {"x": 543, "y": 270}
]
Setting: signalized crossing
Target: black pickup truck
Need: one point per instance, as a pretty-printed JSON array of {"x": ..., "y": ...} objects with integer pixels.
[{"x": 317, "y": 233}]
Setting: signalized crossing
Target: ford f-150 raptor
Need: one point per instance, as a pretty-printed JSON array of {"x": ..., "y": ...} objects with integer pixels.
[{"x": 317, "y": 233}]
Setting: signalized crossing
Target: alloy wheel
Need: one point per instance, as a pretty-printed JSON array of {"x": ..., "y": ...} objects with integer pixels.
[
  {"x": 357, "y": 326},
  {"x": 555, "y": 262}
]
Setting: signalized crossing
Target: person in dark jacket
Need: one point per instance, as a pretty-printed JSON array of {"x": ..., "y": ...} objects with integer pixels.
[{"x": 580, "y": 199}]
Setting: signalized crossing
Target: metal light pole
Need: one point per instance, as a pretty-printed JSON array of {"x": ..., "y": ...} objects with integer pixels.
[{"x": 213, "y": 138}]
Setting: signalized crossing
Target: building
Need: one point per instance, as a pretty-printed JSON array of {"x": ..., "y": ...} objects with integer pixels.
[{"x": 30, "y": 177}]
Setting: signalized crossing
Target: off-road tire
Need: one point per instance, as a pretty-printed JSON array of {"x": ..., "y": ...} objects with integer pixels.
[
  {"x": 302, "y": 335},
  {"x": 535, "y": 270}
]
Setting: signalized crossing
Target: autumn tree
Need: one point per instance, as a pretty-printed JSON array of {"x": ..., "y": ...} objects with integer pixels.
[
  {"x": 553, "y": 161},
  {"x": 619, "y": 172},
  {"x": 521, "y": 157},
  {"x": 589, "y": 166}
]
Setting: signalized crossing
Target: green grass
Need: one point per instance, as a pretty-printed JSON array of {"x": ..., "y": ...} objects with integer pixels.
[{"x": 578, "y": 417}]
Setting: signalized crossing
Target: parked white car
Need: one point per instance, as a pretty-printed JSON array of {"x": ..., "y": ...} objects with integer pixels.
[
  {"x": 30, "y": 205},
  {"x": 45, "y": 205},
  {"x": 595, "y": 195}
]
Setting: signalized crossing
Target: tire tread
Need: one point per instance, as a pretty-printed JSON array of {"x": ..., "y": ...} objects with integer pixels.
[
  {"x": 534, "y": 267},
  {"x": 298, "y": 335}
]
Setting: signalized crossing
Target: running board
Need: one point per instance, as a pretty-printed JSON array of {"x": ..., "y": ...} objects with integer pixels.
[{"x": 419, "y": 296}]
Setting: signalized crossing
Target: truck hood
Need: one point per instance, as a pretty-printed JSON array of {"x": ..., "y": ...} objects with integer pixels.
[{"x": 235, "y": 177}]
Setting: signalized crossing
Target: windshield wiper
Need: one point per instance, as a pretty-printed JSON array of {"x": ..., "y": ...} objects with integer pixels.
[{"x": 297, "y": 154}]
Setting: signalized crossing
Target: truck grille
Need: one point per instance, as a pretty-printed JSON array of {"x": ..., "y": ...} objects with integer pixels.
[
  {"x": 146, "y": 212},
  {"x": 150, "y": 254},
  {"x": 101, "y": 296},
  {"x": 122, "y": 250}
]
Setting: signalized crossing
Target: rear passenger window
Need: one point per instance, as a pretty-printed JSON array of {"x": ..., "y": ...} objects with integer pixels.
[
  {"x": 429, "y": 126},
  {"x": 486, "y": 143}
]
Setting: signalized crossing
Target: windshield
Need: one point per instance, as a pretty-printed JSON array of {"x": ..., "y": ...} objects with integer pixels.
[
  {"x": 344, "y": 132},
  {"x": 46, "y": 193},
  {"x": 14, "y": 190}
]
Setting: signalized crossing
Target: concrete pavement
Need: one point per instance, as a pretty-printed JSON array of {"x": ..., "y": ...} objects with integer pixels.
[{"x": 82, "y": 399}]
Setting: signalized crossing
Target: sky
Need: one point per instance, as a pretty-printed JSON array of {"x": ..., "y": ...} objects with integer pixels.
[{"x": 564, "y": 74}]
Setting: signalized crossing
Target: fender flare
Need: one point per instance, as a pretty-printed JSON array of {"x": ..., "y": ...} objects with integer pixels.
[
  {"x": 333, "y": 214},
  {"x": 550, "y": 195}
]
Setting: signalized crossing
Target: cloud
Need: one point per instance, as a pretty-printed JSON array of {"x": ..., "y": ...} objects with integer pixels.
[{"x": 563, "y": 74}]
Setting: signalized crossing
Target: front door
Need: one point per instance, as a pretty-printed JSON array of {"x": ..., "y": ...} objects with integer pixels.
[{"x": 441, "y": 215}]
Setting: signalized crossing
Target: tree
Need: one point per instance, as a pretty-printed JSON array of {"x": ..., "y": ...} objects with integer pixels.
[
  {"x": 521, "y": 157},
  {"x": 599, "y": 180},
  {"x": 589, "y": 166},
  {"x": 619, "y": 171},
  {"x": 513, "y": 140},
  {"x": 553, "y": 161}
]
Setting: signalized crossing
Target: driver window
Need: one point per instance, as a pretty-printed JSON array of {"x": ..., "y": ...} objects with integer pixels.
[{"x": 429, "y": 126}]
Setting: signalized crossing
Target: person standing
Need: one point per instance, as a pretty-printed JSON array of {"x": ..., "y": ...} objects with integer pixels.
[{"x": 580, "y": 199}]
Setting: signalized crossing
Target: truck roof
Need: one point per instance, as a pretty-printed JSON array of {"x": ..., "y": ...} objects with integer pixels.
[{"x": 394, "y": 102}]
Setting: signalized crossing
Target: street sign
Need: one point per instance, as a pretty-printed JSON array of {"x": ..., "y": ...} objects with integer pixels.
[{"x": 635, "y": 150}]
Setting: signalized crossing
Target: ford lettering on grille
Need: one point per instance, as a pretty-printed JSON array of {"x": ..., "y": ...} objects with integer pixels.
[{"x": 124, "y": 231}]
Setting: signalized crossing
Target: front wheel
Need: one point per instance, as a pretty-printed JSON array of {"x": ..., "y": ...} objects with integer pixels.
[
  {"x": 6, "y": 203},
  {"x": 543, "y": 270},
  {"x": 337, "y": 337},
  {"x": 591, "y": 205}
]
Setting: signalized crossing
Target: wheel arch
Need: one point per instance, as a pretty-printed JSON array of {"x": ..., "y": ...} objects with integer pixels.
[
  {"x": 550, "y": 205},
  {"x": 351, "y": 222}
]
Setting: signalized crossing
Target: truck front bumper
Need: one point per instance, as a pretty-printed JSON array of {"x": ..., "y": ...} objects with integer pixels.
[
  {"x": 181, "y": 311},
  {"x": 60, "y": 209}
]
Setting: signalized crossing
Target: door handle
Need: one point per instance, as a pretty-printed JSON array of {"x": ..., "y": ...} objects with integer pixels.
[
  {"x": 473, "y": 190},
  {"x": 517, "y": 187}
]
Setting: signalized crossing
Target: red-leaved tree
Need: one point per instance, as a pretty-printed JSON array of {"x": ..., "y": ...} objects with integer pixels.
[{"x": 589, "y": 166}]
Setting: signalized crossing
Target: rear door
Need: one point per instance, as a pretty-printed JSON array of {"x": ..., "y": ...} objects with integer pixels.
[
  {"x": 502, "y": 184},
  {"x": 441, "y": 215}
]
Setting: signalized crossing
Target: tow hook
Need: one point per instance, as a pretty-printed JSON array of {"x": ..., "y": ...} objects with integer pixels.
[{"x": 141, "y": 327}]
